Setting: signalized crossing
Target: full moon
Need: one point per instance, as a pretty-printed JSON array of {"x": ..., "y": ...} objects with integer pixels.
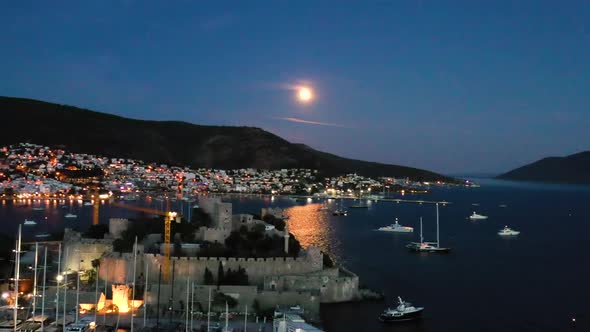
[{"x": 304, "y": 94}]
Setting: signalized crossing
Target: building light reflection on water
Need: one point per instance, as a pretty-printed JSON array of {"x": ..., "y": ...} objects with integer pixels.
[{"x": 312, "y": 227}]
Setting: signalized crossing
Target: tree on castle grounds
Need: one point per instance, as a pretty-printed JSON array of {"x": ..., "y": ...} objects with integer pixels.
[{"x": 208, "y": 277}]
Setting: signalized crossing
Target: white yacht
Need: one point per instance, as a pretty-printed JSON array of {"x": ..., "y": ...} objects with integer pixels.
[
  {"x": 396, "y": 227},
  {"x": 87, "y": 203},
  {"x": 70, "y": 216},
  {"x": 29, "y": 222},
  {"x": 404, "y": 311},
  {"x": 507, "y": 231},
  {"x": 476, "y": 216}
]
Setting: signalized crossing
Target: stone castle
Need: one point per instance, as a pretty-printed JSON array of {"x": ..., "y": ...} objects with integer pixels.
[{"x": 301, "y": 280}]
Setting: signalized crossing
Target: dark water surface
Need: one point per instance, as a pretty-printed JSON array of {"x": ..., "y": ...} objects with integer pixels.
[{"x": 537, "y": 281}]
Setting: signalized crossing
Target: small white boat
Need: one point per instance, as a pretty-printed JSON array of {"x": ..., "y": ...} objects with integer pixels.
[
  {"x": 476, "y": 216},
  {"x": 396, "y": 227},
  {"x": 39, "y": 208},
  {"x": 507, "y": 231},
  {"x": 29, "y": 222},
  {"x": 503, "y": 205},
  {"x": 43, "y": 235},
  {"x": 87, "y": 203},
  {"x": 404, "y": 311},
  {"x": 70, "y": 216}
]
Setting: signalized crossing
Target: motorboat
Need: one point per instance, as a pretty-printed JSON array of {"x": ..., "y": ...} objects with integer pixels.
[
  {"x": 507, "y": 231},
  {"x": 70, "y": 216},
  {"x": 396, "y": 227},
  {"x": 476, "y": 216},
  {"x": 403, "y": 312},
  {"x": 29, "y": 222},
  {"x": 39, "y": 208},
  {"x": 87, "y": 203}
]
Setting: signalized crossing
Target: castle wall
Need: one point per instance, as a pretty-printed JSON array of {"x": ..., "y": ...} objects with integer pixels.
[
  {"x": 77, "y": 249},
  {"x": 256, "y": 268},
  {"x": 334, "y": 285}
]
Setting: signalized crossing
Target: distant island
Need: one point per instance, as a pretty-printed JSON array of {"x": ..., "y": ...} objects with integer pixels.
[
  {"x": 574, "y": 169},
  {"x": 177, "y": 143}
]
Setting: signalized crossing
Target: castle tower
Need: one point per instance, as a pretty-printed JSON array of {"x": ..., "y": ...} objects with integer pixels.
[{"x": 286, "y": 237}]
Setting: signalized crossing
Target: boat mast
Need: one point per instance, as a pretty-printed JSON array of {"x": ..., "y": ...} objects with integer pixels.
[
  {"x": 186, "y": 327},
  {"x": 192, "y": 304},
  {"x": 43, "y": 289},
  {"x": 16, "y": 277},
  {"x": 78, "y": 289},
  {"x": 134, "y": 269},
  {"x": 65, "y": 286},
  {"x": 209, "y": 310},
  {"x": 421, "y": 237},
  {"x": 96, "y": 295},
  {"x": 437, "y": 229},
  {"x": 246, "y": 319},
  {"x": 35, "y": 277},
  {"x": 59, "y": 276},
  {"x": 226, "y": 317},
  {"x": 145, "y": 286}
]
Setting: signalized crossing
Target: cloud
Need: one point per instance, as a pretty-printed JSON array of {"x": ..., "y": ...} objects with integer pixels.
[{"x": 316, "y": 123}]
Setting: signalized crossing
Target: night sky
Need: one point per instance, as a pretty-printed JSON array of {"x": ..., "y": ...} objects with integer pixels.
[{"x": 450, "y": 86}]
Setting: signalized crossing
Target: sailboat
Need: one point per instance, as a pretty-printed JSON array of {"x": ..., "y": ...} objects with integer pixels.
[
  {"x": 428, "y": 246},
  {"x": 340, "y": 211}
]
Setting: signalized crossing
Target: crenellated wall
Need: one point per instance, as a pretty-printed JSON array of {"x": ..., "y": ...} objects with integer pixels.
[{"x": 115, "y": 266}]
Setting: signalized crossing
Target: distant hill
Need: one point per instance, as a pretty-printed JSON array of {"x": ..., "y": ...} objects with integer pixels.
[
  {"x": 174, "y": 142},
  {"x": 571, "y": 169}
]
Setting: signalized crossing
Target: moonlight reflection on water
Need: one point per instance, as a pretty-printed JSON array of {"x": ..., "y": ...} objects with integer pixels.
[{"x": 312, "y": 227}]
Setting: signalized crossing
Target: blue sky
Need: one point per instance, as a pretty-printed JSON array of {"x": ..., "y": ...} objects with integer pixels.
[{"x": 451, "y": 86}]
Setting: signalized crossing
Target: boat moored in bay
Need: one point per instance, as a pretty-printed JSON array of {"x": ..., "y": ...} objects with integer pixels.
[
  {"x": 403, "y": 312},
  {"x": 396, "y": 227}
]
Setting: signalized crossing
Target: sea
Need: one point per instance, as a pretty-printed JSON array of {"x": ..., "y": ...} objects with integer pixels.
[{"x": 536, "y": 281}]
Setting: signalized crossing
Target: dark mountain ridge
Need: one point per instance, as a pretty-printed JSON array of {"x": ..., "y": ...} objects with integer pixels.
[
  {"x": 574, "y": 168},
  {"x": 175, "y": 142}
]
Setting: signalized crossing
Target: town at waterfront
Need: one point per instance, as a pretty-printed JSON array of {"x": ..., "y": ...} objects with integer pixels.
[{"x": 200, "y": 268}]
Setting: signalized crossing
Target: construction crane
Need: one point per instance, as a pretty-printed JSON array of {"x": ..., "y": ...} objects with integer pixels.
[{"x": 169, "y": 217}]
